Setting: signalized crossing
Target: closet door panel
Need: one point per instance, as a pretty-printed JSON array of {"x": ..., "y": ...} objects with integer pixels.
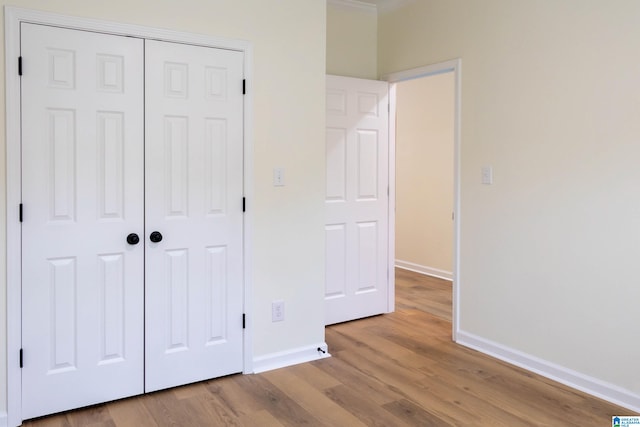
[
  {"x": 82, "y": 193},
  {"x": 194, "y": 169}
]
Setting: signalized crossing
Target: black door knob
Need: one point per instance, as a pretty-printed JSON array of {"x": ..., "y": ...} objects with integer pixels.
[
  {"x": 155, "y": 237},
  {"x": 133, "y": 239}
]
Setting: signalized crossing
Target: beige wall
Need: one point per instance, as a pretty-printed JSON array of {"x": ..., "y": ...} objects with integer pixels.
[
  {"x": 352, "y": 40},
  {"x": 550, "y": 252},
  {"x": 288, "y": 38},
  {"x": 424, "y": 171}
]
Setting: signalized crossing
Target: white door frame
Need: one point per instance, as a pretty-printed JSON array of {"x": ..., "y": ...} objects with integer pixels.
[
  {"x": 455, "y": 66},
  {"x": 13, "y": 17}
]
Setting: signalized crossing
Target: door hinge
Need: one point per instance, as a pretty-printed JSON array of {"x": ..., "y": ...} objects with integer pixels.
[
  {"x": 20, "y": 212},
  {"x": 244, "y": 86},
  {"x": 19, "y": 65},
  {"x": 244, "y": 321},
  {"x": 244, "y": 204},
  {"x": 21, "y": 358}
]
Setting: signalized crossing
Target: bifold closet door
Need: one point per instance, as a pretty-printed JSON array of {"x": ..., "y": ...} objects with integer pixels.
[
  {"x": 82, "y": 193},
  {"x": 194, "y": 219}
]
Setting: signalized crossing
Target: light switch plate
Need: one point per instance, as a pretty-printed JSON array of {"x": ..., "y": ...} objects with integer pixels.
[
  {"x": 277, "y": 311},
  {"x": 278, "y": 177},
  {"x": 487, "y": 175}
]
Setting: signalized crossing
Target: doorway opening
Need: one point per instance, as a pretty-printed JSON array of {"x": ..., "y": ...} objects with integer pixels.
[{"x": 424, "y": 142}]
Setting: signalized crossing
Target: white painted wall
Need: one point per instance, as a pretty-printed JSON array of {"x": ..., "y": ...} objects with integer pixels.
[
  {"x": 424, "y": 172},
  {"x": 288, "y": 37},
  {"x": 352, "y": 32},
  {"x": 549, "y": 252}
]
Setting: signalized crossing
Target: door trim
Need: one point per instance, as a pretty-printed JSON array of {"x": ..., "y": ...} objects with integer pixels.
[
  {"x": 13, "y": 18},
  {"x": 391, "y": 199},
  {"x": 455, "y": 66}
]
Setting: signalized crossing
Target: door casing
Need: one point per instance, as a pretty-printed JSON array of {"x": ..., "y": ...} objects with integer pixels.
[
  {"x": 13, "y": 18},
  {"x": 454, "y": 66}
]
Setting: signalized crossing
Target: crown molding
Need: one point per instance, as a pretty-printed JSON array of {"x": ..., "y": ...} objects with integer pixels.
[
  {"x": 390, "y": 5},
  {"x": 354, "y": 4}
]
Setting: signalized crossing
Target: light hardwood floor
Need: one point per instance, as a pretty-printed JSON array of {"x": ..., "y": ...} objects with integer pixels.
[{"x": 399, "y": 369}]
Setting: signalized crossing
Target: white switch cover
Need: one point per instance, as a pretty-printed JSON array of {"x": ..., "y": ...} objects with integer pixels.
[
  {"x": 487, "y": 175},
  {"x": 278, "y": 177},
  {"x": 277, "y": 311}
]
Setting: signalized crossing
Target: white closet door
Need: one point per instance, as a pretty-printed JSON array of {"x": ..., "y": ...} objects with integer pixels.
[
  {"x": 194, "y": 191},
  {"x": 357, "y": 199},
  {"x": 82, "y": 151}
]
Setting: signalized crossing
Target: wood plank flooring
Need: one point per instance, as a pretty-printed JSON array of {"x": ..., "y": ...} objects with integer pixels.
[{"x": 399, "y": 369}]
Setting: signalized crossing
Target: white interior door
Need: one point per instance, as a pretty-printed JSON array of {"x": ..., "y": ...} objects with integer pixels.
[
  {"x": 194, "y": 192},
  {"x": 357, "y": 199},
  {"x": 82, "y": 192},
  {"x": 105, "y": 317}
]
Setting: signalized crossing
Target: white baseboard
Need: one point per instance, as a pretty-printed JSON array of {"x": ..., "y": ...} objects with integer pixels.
[
  {"x": 584, "y": 383},
  {"x": 429, "y": 271},
  {"x": 290, "y": 357},
  {"x": 3, "y": 419}
]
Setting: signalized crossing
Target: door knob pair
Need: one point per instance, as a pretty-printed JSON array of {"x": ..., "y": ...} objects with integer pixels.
[{"x": 134, "y": 239}]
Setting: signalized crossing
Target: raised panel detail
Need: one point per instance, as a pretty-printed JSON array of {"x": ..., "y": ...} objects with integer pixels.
[
  {"x": 367, "y": 256},
  {"x": 216, "y": 83},
  {"x": 367, "y": 164},
  {"x": 216, "y": 165},
  {"x": 335, "y": 252},
  {"x": 368, "y": 104},
  {"x": 176, "y": 165},
  {"x": 110, "y": 192},
  {"x": 217, "y": 282},
  {"x": 62, "y": 168},
  {"x": 176, "y": 80},
  {"x": 336, "y": 102},
  {"x": 336, "y": 146},
  {"x": 63, "y": 299},
  {"x": 110, "y": 73},
  {"x": 111, "y": 276},
  {"x": 177, "y": 312},
  {"x": 62, "y": 68}
]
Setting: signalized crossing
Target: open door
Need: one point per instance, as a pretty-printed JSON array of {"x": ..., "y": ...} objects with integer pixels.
[{"x": 357, "y": 199}]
